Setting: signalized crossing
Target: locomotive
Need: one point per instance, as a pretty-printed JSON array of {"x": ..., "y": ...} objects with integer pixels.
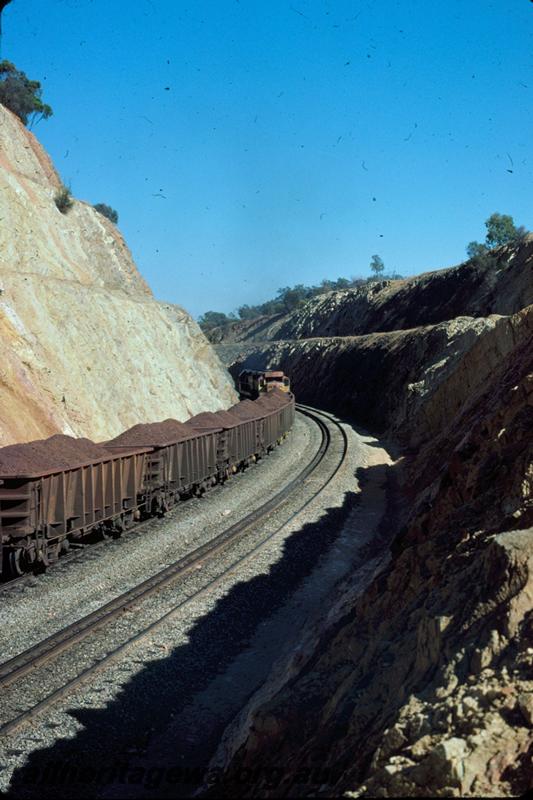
[
  {"x": 253, "y": 383},
  {"x": 55, "y": 492}
]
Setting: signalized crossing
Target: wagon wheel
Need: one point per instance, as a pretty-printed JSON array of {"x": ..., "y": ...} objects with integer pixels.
[
  {"x": 127, "y": 520},
  {"x": 106, "y": 530},
  {"x": 15, "y": 562}
]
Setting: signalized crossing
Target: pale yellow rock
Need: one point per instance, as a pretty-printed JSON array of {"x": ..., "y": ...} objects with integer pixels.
[{"x": 85, "y": 349}]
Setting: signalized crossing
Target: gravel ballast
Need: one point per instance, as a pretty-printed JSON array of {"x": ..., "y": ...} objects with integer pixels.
[
  {"x": 185, "y": 683},
  {"x": 34, "y": 610}
]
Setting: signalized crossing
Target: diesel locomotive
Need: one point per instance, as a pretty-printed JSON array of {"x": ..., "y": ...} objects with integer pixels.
[
  {"x": 57, "y": 491},
  {"x": 253, "y": 383}
]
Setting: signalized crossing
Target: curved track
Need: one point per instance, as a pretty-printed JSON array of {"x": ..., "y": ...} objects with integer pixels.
[{"x": 50, "y": 648}]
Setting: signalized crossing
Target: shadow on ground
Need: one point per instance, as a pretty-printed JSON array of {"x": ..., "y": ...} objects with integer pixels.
[{"x": 106, "y": 757}]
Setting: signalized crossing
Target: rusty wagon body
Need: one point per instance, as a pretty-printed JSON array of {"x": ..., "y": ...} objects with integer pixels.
[{"x": 57, "y": 491}]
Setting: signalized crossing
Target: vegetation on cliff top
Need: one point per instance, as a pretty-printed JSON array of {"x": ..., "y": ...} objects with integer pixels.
[
  {"x": 21, "y": 95},
  {"x": 289, "y": 298},
  {"x": 377, "y": 266},
  {"x": 500, "y": 230},
  {"x": 107, "y": 211},
  {"x": 63, "y": 199}
]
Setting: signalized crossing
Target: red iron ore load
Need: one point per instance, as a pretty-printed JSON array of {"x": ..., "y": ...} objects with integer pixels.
[
  {"x": 59, "y": 453},
  {"x": 152, "y": 434},
  {"x": 272, "y": 399},
  {"x": 213, "y": 419},
  {"x": 245, "y": 410}
]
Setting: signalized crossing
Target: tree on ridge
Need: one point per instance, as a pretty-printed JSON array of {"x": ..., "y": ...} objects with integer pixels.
[
  {"x": 377, "y": 265},
  {"x": 20, "y": 95},
  {"x": 500, "y": 230}
]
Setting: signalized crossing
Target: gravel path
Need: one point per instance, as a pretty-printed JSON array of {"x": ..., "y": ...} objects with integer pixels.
[{"x": 166, "y": 705}]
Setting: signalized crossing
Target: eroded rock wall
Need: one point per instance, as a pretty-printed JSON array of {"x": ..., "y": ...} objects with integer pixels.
[
  {"x": 408, "y": 382},
  {"x": 422, "y": 683},
  {"x": 85, "y": 348},
  {"x": 424, "y": 686}
]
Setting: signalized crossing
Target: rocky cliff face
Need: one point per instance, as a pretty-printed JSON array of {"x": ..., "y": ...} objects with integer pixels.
[
  {"x": 406, "y": 382},
  {"x": 85, "y": 348},
  {"x": 501, "y": 287},
  {"x": 422, "y": 683},
  {"x": 414, "y": 363}
]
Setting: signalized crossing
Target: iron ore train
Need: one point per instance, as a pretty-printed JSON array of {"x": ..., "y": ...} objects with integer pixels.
[{"x": 58, "y": 491}]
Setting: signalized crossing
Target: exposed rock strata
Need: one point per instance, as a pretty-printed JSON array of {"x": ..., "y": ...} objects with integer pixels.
[
  {"x": 469, "y": 290},
  {"x": 409, "y": 382},
  {"x": 86, "y": 350},
  {"x": 425, "y": 685}
]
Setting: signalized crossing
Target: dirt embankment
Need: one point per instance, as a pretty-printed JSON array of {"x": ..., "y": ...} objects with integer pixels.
[
  {"x": 424, "y": 686},
  {"x": 86, "y": 350}
]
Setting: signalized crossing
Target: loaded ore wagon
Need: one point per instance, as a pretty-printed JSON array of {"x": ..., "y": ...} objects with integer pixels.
[
  {"x": 57, "y": 491},
  {"x": 179, "y": 462}
]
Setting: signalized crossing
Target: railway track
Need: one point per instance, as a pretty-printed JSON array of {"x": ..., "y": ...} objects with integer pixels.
[{"x": 43, "y": 654}]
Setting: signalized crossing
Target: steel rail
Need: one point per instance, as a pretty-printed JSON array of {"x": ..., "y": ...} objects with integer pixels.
[{"x": 51, "y": 647}]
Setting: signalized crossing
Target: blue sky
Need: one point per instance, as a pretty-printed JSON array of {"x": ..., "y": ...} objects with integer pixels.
[{"x": 250, "y": 145}]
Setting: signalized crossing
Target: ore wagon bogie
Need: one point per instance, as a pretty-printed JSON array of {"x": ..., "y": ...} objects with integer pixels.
[{"x": 57, "y": 491}]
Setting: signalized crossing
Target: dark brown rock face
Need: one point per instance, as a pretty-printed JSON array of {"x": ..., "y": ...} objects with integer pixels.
[
  {"x": 409, "y": 382},
  {"x": 425, "y": 685}
]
